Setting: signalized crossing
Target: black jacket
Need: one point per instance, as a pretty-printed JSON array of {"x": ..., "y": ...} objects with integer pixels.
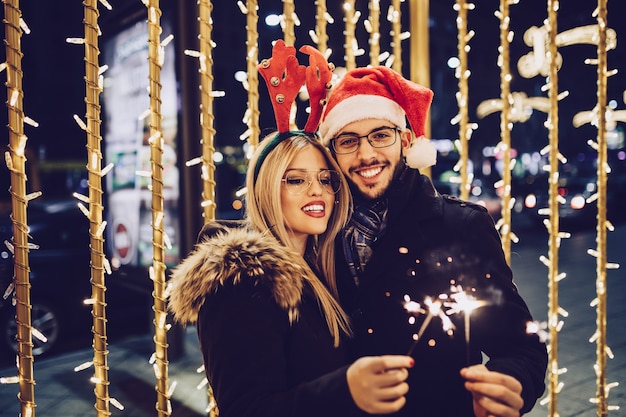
[
  {"x": 266, "y": 347},
  {"x": 433, "y": 246}
]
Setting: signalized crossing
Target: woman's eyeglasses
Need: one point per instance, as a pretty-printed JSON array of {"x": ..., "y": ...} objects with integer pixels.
[
  {"x": 377, "y": 138},
  {"x": 297, "y": 181}
]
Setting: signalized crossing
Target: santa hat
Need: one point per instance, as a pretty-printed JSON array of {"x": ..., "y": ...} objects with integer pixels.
[{"x": 375, "y": 93}]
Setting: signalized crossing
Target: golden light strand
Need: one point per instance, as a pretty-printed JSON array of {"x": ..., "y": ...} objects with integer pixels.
[
  {"x": 505, "y": 127},
  {"x": 602, "y": 117},
  {"x": 16, "y": 163},
  {"x": 601, "y": 227},
  {"x": 372, "y": 25},
  {"x": 207, "y": 94},
  {"x": 289, "y": 12},
  {"x": 289, "y": 35},
  {"x": 252, "y": 59},
  {"x": 396, "y": 29},
  {"x": 462, "y": 74},
  {"x": 420, "y": 52},
  {"x": 553, "y": 223},
  {"x": 350, "y": 39},
  {"x": 206, "y": 111},
  {"x": 96, "y": 240},
  {"x": 321, "y": 19},
  {"x": 155, "y": 52}
]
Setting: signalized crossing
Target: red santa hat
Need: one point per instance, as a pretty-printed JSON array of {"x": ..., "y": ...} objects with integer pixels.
[{"x": 375, "y": 93}]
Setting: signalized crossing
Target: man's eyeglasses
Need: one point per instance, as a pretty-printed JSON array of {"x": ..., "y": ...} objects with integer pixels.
[
  {"x": 297, "y": 181},
  {"x": 377, "y": 138}
]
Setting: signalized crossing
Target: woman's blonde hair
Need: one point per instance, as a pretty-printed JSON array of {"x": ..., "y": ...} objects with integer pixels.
[{"x": 264, "y": 211}]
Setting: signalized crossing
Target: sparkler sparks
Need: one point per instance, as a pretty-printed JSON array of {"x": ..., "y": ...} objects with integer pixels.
[
  {"x": 464, "y": 303},
  {"x": 434, "y": 310}
]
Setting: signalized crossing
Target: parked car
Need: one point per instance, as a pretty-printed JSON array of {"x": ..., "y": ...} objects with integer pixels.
[
  {"x": 59, "y": 278},
  {"x": 576, "y": 187}
]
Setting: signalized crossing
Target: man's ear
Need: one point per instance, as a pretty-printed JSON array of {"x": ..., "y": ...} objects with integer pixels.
[{"x": 406, "y": 137}]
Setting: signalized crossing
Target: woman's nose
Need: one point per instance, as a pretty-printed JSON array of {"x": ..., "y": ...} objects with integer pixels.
[{"x": 316, "y": 187}]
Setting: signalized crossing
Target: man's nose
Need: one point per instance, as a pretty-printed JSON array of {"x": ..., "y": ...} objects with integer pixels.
[{"x": 365, "y": 150}]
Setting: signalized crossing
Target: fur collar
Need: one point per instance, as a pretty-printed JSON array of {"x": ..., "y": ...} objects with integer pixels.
[{"x": 234, "y": 255}]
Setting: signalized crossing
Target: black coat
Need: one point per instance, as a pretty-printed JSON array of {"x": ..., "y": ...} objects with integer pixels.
[
  {"x": 432, "y": 246},
  {"x": 266, "y": 347}
]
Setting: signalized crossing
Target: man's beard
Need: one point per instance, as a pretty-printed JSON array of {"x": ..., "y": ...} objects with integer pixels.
[{"x": 359, "y": 194}]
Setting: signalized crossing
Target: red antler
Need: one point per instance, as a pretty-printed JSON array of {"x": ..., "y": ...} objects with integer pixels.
[
  {"x": 318, "y": 76},
  {"x": 284, "y": 78}
]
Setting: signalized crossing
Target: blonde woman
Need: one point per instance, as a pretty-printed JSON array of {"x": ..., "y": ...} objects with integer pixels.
[{"x": 263, "y": 293}]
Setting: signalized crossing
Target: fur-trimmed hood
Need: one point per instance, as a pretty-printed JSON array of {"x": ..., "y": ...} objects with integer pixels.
[{"x": 230, "y": 256}]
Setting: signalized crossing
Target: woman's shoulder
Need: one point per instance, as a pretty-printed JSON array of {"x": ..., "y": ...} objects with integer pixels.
[{"x": 234, "y": 256}]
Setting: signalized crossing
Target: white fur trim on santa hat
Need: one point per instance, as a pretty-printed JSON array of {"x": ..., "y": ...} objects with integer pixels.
[
  {"x": 360, "y": 107},
  {"x": 422, "y": 154}
]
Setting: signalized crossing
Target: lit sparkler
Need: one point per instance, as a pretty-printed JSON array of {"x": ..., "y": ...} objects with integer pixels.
[
  {"x": 463, "y": 302},
  {"x": 434, "y": 309}
]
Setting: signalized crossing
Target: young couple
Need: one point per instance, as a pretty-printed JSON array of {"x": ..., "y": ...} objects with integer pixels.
[{"x": 302, "y": 309}]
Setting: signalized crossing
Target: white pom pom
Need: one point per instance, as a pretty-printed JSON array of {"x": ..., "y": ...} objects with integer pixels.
[{"x": 421, "y": 154}]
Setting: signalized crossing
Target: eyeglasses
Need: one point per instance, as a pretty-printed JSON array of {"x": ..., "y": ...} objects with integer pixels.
[
  {"x": 297, "y": 181},
  {"x": 377, "y": 138}
]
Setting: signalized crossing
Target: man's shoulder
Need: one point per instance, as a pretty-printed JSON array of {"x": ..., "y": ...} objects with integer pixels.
[
  {"x": 456, "y": 202},
  {"x": 458, "y": 213}
]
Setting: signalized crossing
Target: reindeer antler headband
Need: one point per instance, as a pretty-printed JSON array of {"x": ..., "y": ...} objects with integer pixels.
[{"x": 284, "y": 78}]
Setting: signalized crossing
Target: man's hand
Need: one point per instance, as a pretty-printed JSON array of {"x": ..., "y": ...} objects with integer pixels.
[
  {"x": 377, "y": 383},
  {"x": 495, "y": 394}
]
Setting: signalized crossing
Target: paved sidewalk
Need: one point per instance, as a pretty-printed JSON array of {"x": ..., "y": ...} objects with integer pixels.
[
  {"x": 61, "y": 392},
  {"x": 576, "y": 350}
]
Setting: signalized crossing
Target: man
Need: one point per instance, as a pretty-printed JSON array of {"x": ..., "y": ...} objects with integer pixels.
[{"x": 415, "y": 259}]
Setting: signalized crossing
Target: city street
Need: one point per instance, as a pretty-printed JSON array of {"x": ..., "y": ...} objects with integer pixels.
[
  {"x": 61, "y": 392},
  {"x": 575, "y": 352}
]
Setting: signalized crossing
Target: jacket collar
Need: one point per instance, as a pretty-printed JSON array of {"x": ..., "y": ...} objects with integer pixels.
[
  {"x": 412, "y": 187},
  {"x": 230, "y": 256}
]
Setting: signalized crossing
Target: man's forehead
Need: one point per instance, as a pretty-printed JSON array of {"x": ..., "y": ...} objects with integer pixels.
[{"x": 365, "y": 126}]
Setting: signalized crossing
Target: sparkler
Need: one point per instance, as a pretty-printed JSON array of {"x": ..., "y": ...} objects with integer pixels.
[
  {"x": 465, "y": 303},
  {"x": 434, "y": 309}
]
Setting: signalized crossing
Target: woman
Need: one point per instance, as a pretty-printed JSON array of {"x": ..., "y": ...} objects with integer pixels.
[{"x": 271, "y": 332}]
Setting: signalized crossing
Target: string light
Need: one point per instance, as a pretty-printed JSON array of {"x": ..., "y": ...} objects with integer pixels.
[
  {"x": 350, "y": 19},
  {"x": 155, "y": 58},
  {"x": 372, "y": 26},
  {"x": 203, "y": 383},
  {"x": 33, "y": 195},
  {"x": 80, "y": 122},
  {"x": 462, "y": 118},
  {"x": 9, "y": 380},
  {"x": 106, "y": 169},
  {"x": 116, "y": 403},
  {"x": 170, "y": 392}
]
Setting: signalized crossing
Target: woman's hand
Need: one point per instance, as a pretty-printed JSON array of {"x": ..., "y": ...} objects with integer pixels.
[
  {"x": 377, "y": 383},
  {"x": 495, "y": 394}
]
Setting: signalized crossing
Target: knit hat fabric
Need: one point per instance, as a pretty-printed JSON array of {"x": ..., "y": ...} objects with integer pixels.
[{"x": 375, "y": 93}]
